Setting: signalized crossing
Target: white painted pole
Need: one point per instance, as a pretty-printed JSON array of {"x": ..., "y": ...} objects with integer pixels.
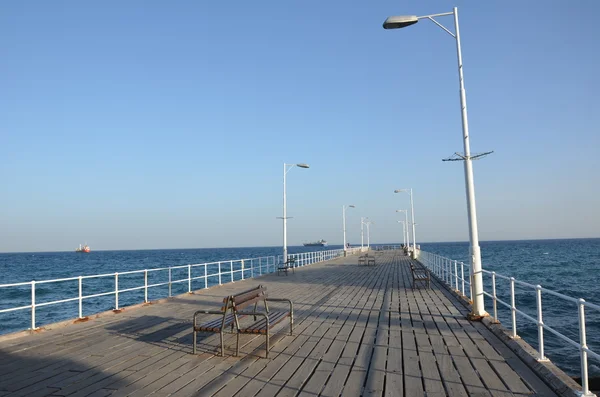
[
  {"x": 478, "y": 309},
  {"x": 344, "y": 224},
  {"x": 362, "y": 233},
  {"x": 412, "y": 218},
  {"x": 285, "y": 250}
]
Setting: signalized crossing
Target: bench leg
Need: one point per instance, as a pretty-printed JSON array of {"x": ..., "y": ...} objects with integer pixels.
[
  {"x": 222, "y": 345},
  {"x": 237, "y": 345},
  {"x": 267, "y": 355},
  {"x": 194, "y": 348}
]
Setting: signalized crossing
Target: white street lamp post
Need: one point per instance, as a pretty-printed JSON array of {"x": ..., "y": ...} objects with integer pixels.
[
  {"x": 403, "y": 232},
  {"x": 368, "y": 223},
  {"x": 362, "y": 233},
  {"x": 396, "y": 22},
  {"x": 406, "y": 227},
  {"x": 344, "y": 208},
  {"x": 286, "y": 169},
  {"x": 412, "y": 220}
]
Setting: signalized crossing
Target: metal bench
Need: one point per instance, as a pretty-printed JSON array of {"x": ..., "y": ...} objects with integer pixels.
[
  {"x": 287, "y": 265},
  {"x": 218, "y": 325},
  {"x": 371, "y": 261},
  {"x": 232, "y": 314},
  {"x": 420, "y": 275},
  {"x": 268, "y": 320},
  {"x": 362, "y": 260}
]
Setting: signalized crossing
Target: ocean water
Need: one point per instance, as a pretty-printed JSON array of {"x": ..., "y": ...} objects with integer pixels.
[{"x": 571, "y": 267}]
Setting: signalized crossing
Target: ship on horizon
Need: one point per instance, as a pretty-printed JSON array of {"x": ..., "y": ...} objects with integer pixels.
[
  {"x": 83, "y": 248},
  {"x": 320, "y": 243}
]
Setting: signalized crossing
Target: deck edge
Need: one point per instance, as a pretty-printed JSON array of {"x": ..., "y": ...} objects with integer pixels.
[{"x": 554, "y": 377}]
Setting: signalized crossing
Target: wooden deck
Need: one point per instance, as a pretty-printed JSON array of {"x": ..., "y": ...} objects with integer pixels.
[{"x": 358, "y": 331}]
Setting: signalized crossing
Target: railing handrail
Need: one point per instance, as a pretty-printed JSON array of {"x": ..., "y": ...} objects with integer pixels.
[
  {"x": 255, "y": 266},
  {"x": 442, "y": 267}
]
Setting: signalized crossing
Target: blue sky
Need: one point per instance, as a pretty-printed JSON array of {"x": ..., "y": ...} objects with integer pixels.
[{"x": 150, "y": 124}]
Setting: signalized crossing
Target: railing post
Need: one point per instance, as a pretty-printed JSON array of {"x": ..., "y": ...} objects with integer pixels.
[
  {"x": 243, "y": 269},
  {"x": 445, "y": 262},
  {"x": 220, "y": 274},
  {"x": 582, "y": 348},
  {"x": 462, "y": 272},
  {"x": 145, "y": 285},
  {"x": 513, "y": 308},
  {"x": 494, "y": 294},
  {"x": 117, "y": 291},
  {"x": 447, "y": 268},
  {"x": 190, "y": 278},
  {"x": 80, "y": 297},
  {"x": 456, "y": 275},
  {"x": 260, "y": 266},
  {"x": 444, "y": 270},
  {"x": 538, "y": 295},
  {"x": 205, "y": 277},
  {"x": 252, "y": 267},
  {"x": 33, "y": 305},
  {"x": 170, "y": 282},
  {"x": 231, "y": 268},
  {"x": 471, "y": 277}
]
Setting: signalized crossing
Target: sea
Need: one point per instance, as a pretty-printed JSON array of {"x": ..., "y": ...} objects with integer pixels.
[{"x": 567, "y": 266}]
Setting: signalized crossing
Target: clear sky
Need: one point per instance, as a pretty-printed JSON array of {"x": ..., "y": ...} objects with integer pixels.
[{"x": 165, "y": 124}]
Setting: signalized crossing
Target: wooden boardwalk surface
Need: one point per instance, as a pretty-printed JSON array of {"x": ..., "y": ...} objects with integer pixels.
[{"x": 358, "y": 331}]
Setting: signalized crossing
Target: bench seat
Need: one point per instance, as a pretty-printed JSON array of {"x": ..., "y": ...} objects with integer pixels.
[
  {"x": 420, "y": 275},
  {"x": 260, "y": 327},
  {"x": 215, "y": 325}
]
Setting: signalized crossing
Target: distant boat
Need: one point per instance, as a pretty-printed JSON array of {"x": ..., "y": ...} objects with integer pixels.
[
  {"x": 83, "y": 248},
  {"x": 320, "y": 243}
]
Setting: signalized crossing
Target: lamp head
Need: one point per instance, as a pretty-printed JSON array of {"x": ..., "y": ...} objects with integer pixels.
[
  {"x": 302, "y": 165},
  {"x": 400, "y": 21},
  {"x": 351, "y": 206},
  {"x": 400, "y": 190}
]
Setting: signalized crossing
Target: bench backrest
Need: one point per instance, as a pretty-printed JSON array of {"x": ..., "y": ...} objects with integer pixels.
[{"x": 248, "y": 298}]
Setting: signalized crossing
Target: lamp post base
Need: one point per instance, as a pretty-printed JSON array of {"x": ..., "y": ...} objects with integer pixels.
[{"x": 476, "y": 317}]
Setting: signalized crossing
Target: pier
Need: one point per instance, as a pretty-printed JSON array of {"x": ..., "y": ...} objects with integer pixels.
[{"x": 359, "y": 330}]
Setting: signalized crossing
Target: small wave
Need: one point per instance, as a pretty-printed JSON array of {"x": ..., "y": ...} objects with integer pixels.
[{"x": 545, "y": 253}]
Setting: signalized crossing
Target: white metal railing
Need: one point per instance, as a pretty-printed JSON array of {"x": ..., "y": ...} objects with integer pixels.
[
  {"x": 387, "y": 247},
  {"x": 307, "y": 258},
  {"x": 446, "y": 270},
  {"x": 209, "y": 274}
]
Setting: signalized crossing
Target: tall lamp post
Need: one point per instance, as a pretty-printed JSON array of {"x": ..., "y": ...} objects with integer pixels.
[
  {"x": 368, "y": 223},
  {"x": 403, "y": 232},
  {"x": 286, "y": 169},
  {"x": 362, "y": 233},
  {"x": 344, "y": 208},
  {"x": 412, "y": 219},
  {"x": 405, "y": 226},
  {"x": 396, "y": 22}
]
